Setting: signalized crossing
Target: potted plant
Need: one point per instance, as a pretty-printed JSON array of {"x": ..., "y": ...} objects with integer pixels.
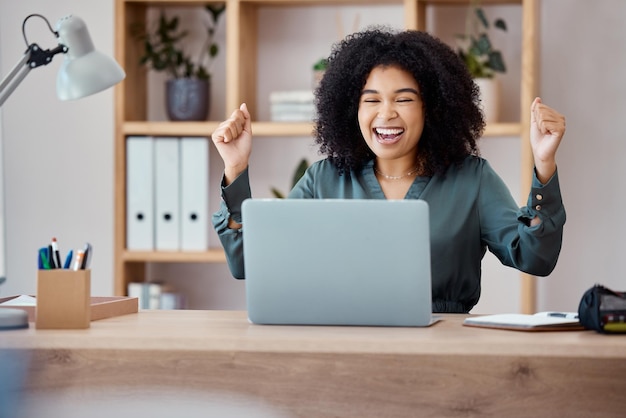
[
  {"x": 187, "y": 92},
  {"x": 319, "y": 68},
  {"x": 483, "y": 61},
  {"x": 297, "y": 174}
]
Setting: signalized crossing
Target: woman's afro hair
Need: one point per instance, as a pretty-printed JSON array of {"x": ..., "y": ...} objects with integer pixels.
[{"x": 453, "y": 121}]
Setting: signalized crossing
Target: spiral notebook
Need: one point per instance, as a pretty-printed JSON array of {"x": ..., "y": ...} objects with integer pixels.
[{"x": 337, "y": 262}]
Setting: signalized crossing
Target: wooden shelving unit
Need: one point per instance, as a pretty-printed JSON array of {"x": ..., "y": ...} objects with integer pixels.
[{"x": 241, "y": 68}]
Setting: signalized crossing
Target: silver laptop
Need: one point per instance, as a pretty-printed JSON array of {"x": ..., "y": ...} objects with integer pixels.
[{"x": 337, "y": 262}]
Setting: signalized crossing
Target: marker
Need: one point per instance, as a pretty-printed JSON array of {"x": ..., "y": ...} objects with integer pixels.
[
  {"x": 78, "y": 261},
  {"x": 50, "y": 257},
  {"x": 43, "y": 259},
  {"x": 86, "y": 256},
  {"x": 55, "y": 250}
]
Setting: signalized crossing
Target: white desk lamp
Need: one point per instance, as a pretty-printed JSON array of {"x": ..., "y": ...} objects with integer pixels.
[{"x": 84, "y": 71}]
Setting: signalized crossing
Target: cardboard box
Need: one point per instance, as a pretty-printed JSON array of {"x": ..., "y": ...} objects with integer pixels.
[
  {"x": 101, "y": 307},
  {"x": 109, "y": 306},
  {"x": 63, "y": 299}
]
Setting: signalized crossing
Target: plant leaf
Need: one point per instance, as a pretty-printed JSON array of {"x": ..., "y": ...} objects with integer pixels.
[
  {"x": 277, "y": 193},
  {"x": 482, "y": 44},
  {"x": 480, "y": 13},
  {"x": 320, "y": 65},
  {"x": 202, "y": 74},
  {"x": 163, "y": 50},
  {"x": 213, "y": 50},
  {"x": 300, "y": 170},
  {"x": 496, "y": 63},
  {"x": 215, "y": 10},
  {"x": 500, "y": 24}
]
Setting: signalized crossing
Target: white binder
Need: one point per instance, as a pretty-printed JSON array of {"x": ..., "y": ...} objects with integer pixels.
[
  {"x": 167, "y": 193},
  {"x": 194, "y": 193},
  {"x": 139, "y": 193}
]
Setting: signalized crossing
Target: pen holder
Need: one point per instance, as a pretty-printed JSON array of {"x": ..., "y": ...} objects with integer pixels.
[{"x": 63, "y": 299}]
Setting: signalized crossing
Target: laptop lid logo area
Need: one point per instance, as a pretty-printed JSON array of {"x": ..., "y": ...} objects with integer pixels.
[{"x": 337, "y": 262}]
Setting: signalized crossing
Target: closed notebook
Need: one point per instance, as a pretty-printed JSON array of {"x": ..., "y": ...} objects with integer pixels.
[
  {"x": 337, "y": 262},
  {"x": 541, "y": 321}
]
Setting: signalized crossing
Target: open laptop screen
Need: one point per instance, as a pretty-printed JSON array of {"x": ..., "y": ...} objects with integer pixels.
[{"x": 337, "y": 262}]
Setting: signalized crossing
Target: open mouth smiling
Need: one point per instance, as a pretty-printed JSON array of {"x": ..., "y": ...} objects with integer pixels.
[{"x": 388, "y": 135}]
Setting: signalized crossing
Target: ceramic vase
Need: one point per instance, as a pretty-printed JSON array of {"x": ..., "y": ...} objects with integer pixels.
[
  {"x": 187, "y": 99},
  {"x": 489, "y": 98}
]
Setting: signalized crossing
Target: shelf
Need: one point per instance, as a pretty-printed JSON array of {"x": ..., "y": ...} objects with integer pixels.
[
  {"x": 284, "y": 3},
  {"x": 211, "y": 256},
  {"x": 169, "y": 128},
  {"x": 265, "y": 129},
  {"x": 207, "y": 128},
  {"x": 169, "y": 3},
  {"x": 314, "y": 2},
  {"x": 241, "y": 85},
  {"x": 503, "y": 129},
  {"x": 461, "y": 2},
  {"x": 365, "y": 2}
]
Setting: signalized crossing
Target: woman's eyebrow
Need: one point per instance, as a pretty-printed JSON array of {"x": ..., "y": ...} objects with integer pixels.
[
  {"x": 408, "y": 90},
  {"x": 404, "y": 90}
]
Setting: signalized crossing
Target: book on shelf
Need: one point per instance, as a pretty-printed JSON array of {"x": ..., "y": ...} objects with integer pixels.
[{"x": 292, "y": 106}]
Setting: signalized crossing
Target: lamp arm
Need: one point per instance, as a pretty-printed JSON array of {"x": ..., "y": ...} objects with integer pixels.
[
  {"x": 33, "y": 57},
  {"x": 14, "y": 78}
]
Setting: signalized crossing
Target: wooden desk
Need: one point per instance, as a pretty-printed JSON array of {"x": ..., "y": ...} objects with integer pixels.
[{"x": 444, "y": 370}]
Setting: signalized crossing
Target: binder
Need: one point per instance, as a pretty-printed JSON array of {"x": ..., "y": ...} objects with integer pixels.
[
  {"x": 167, "y": 193},
  {"x": 194, "y": 193},
  {"x": 139, "y": 193},
  {"x": 148, "y": 294}
]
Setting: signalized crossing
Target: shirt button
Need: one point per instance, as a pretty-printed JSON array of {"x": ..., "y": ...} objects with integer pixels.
[
  {"x": 539, "y": 197},
  {"x": 538, "y": 207}
]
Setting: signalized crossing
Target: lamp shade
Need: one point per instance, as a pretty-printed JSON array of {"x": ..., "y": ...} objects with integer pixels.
[{"x": 84, "y": 70}]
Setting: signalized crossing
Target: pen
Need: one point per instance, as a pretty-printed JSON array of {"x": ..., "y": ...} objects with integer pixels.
[
  {"x": 563, "y": 315},
  {"x": 68, "y": 259},
  {"x": 56, "y": 255}
]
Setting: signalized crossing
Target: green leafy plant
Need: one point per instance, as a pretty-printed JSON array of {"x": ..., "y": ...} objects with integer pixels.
[
  {"x": 298, "y": 173},
  {"x": 320, "y": 65},
  {"x": 474, "y": 46},
  {"x": 164, "y": 50}
]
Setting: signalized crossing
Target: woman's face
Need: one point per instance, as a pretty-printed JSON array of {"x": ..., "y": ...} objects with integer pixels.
[{"x": 391, "y": 113}]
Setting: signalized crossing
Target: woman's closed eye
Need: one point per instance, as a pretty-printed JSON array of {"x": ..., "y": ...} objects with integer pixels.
[{"x": 398, "y": 100}]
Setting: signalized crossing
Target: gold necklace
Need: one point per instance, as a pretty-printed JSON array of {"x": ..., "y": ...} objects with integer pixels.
[{"x": 410, "y": 173}]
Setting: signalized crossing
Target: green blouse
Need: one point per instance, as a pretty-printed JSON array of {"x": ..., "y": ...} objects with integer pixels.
[{"x": 471, "y": 210}]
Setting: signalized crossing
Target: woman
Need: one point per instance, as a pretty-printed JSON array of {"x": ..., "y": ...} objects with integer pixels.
[{"x": 399, "y": 118}]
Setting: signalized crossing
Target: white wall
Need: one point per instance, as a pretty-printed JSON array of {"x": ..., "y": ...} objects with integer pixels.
[
  {"x": 58, "y": 156},
  {"x": 583, "y": 68},
  {"x": 581, "y": 75}
]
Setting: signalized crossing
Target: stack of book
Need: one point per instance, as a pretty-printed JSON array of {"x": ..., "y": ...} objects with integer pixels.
[
  {"x": 153, "y": 295},
  {"x": 292, "y": 106}
]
